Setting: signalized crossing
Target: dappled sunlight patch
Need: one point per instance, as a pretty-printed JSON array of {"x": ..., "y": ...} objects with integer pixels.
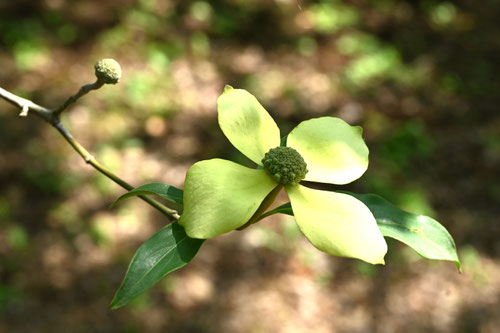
[
  {"x": 439, "y": 302},
  {"x": 124, "y": 226},
  {"x": 190, "y": 94},
  {"x": 156, "y": 126},
  {"x": 390, "y": 63},
  {"x": 265, "y": 236},
  {"x": 66, "y": 214},
  {"x": 297, "y": 81},
  {"x": 173, "y": 172},
  {"x": 247, "y": 61},
  {"x": 183, "y": 145},
  {"x": 90, "y": 255},
  {"x": 191, "y": 289},
  {"x": 311, "y": 261},
  {"x": 55, "y": 259}
]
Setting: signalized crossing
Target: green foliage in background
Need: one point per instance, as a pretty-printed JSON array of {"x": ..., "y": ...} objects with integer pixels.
[{"x": 420, "y": 77}]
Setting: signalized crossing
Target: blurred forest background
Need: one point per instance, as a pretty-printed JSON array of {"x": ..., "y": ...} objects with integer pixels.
[{"x": 421, "y": 78}]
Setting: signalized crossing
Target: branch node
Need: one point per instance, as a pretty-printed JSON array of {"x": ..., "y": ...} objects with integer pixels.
[
  {"x": 24, "y": 110},
  {"x": 88, "y": 158}
]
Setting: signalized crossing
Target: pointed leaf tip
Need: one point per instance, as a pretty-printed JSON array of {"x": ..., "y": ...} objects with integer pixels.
[
  {"x": 432, "y": 241},
  {"x": 423, "y": 234},
  {"x": 166, "y": 251},
  {"x": 228, "y": 88}
]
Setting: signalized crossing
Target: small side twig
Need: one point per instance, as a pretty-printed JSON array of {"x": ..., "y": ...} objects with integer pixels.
[
  {"x": 107, "y": 71},
  {"x": 83, "y": 91},
  {"x": 25, "y": 105}
]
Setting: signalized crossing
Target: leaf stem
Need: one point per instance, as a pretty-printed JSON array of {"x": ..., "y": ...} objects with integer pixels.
[{"x": 53, "y": 118}]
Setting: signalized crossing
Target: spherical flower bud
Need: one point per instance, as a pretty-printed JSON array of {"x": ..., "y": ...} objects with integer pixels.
[
  {"x": 285, "y": 165},
  {"x": 108, "y": 71}
]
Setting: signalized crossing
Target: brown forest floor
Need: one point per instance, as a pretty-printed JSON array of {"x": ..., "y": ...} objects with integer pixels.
[{"x": 420, "y": 77}]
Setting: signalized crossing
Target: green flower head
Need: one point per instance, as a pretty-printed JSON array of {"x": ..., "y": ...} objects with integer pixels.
[
  {"x": 220, "y": 196},
  {"x": 108, "y": 71}
]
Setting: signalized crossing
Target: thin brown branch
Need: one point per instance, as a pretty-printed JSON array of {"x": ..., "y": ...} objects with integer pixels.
[{"x": 52, "y": 117}]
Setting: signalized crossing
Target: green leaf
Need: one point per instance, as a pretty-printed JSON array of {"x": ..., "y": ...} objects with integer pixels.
[
  {"x": 166, "y": 251},
  {"x": 422, "y": 233},
  {"x": 165, "y": 191}
]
